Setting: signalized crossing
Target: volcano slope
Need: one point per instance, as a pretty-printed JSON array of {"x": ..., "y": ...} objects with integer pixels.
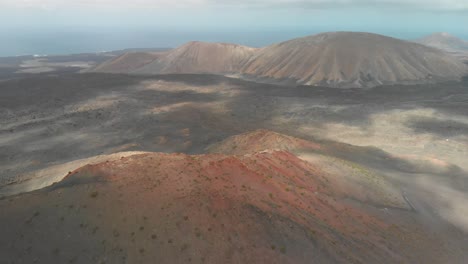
[
  {"x": 127, "y": 62},
  {"x": 353, "y": 59},
  {"x": 193, "y": 57},
  {"x": 264, "y": 207},
  {"x": 335, "y": 59},
  {"x": 200, "y": 57},
  {"x": 444, "y": 41},
  {"x": 447, "y": 42}
]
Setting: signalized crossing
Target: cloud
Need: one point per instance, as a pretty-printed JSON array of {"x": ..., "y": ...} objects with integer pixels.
[{"x": 442, "y": 5}]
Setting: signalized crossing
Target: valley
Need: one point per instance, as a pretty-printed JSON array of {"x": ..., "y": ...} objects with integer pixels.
[{"x": 176, "y": 157}]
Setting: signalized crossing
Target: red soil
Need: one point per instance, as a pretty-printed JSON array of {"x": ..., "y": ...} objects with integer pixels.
[
  {"x": 262, "y": 207},
  {"x": 259, "y": 140}
]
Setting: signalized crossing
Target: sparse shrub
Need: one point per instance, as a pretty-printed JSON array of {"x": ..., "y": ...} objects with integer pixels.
[
  {"x": 283, "y": 249},
  {"x": 184, "y": 247}
]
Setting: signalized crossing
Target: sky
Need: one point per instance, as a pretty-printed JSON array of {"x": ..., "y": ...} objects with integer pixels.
[{"x": 73, "y": 26}]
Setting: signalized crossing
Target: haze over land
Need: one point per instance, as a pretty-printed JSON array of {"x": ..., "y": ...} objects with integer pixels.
[
  {"x": 444, "y": 41},
  {"x": 64, "y": 27},
  {"x": 447, "y": 42}
]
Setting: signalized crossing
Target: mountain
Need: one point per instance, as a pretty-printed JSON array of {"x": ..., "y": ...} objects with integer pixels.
[
  {"x": 350, "y": 59},
  {"x": 338, "y": 59},
  {"x": 193, "y": 57},
  {"x": 260, "y": 140},
  {"x": 444, "y": 41},
  {"x": 127, "y": 62},
  {"x": 267, "y": 206},
  {"x": 200, "y": 57}
]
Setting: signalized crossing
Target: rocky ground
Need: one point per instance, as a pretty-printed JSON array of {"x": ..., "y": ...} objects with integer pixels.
[
  {"x": 267, "y": 206},
  {"x": 409, "y": 142}
]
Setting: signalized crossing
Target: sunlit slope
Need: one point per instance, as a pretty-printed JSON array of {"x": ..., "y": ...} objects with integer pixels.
[
  {"x": 353, "y": 59},
  {"x": 128, "y": 62},
  {"x": 200, "y": 57},
  {"x": 337, "y": 59},
  {"x": 444, "y": 41}
]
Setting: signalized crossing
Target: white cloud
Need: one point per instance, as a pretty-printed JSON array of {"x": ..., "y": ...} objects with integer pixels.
[{"x": 447, "y": 5}]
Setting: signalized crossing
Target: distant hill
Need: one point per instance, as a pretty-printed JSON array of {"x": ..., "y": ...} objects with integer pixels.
[
  {"x": 343, "y": 59},
  {"x": 201, "y": 57},
  {"x": 444, "y": 41},
  {"x": 127, "y": 62},
  {"x": 193, "y": 57},
  {"x": 337, "y": 59}
]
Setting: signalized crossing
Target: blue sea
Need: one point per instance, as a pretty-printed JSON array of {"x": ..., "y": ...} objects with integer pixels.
[
  {"x": 54, "y": 43},
  {"x": 84, "y": 41}
]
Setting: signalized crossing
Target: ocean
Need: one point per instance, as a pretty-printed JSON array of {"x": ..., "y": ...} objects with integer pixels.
[
  {"x": 56, "y": 43},
  {"x": 89, "y": 41}
]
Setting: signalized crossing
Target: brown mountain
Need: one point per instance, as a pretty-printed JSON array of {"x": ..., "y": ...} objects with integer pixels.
[
  {"x": 200, "y": 57},
  {"x": 339, "y": 59},
  {"x": 260, "y": 140},
  {"x": 444, "y": 41},
  {"x": 352, "y": 59},
  {"x": 193, "y": 57},
  {"x": 127, "y": 62}
]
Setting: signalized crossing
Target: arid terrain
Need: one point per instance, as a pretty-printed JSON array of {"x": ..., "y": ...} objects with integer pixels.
[
  {"x": 23, "y": 66},
  {"x": 263, "y": 207},
  {"x": 203, "y": 168},
  {"x": 333, "y": 59},
  {"x": 448, "y": 43},
  {"x": 444, "y": 41}
]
